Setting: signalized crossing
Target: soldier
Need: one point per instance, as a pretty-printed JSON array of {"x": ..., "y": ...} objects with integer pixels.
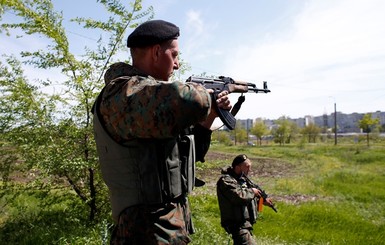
[
  {"x": 149, "y": 133},
  {"x": 237, "y": 198}
]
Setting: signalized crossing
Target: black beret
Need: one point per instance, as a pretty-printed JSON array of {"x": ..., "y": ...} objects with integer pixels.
[
  {"x": 238, "y": 160},
  {"x": 152, "y": 32}
]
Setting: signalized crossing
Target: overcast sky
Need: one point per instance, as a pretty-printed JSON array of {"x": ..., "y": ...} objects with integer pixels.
[{"x": 312, "y": 53}]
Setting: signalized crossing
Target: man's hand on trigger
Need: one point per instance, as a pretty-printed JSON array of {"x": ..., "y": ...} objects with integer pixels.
[{"x": 256, "y": 191}]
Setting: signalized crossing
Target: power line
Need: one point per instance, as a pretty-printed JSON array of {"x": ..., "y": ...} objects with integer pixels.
[{"x": 80, "y": 35}]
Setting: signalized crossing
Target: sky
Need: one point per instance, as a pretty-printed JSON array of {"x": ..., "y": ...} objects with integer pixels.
[{"x": 314, "y": 54}]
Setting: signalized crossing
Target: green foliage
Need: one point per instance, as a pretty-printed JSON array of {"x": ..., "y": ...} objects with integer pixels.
[
  {"x": 285, "y": 131},
  {"x": 239, "y": 134},
  {"x": 259, "y": 129},
  {"x": 367, "y": 124},
  {"x": 41, "y": 217},
  {"x": 222, "y": 137},
  {"x": 51, "y": 134},
  {"x": 311, "y": 132},
  {"x": 22, "y": 104}
]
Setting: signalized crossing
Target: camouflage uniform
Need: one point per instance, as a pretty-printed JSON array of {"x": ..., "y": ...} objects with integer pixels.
[
  {"x": 237, "y": 203},
  {"x": 136, "y": 106},
  {"x": 150, "y": 225}
]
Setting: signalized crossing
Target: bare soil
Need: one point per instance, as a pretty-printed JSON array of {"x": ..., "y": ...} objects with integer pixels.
[{"x": 267, "y": 168}]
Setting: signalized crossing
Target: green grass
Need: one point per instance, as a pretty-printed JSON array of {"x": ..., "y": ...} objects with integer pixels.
[
  {"x": 37, "y": 217},
  {"x": 320, "y": 223},
  {"x": 325, "y": 194},
  {"x": 344, "y": 193}
]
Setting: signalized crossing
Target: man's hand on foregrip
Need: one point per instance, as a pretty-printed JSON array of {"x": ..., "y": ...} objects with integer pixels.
[{"x": 270, "y": 203}]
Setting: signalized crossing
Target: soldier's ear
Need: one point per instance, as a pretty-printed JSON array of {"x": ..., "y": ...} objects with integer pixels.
[{"x": 156, "y": 52}]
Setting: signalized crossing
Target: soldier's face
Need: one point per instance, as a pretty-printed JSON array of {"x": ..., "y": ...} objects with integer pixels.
[
  {"x": 245, "y": 167},
  {"x": 167, "y": 60}
]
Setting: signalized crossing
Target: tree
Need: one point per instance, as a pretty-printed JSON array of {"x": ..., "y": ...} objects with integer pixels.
[
  {"x": 259, "y": 129},
  {"x": 367, "y": 123},
  {"x": 239, "y": 134},
  {"x": 311, "y": 131},
  {"x": 222, "y": 136},
  {"x": 285, "y": 130},
  {"x": 52, "y": 133},
  {"x": 21, "y": 107},
  {"x": 382, "y": 128},
  {"x": 293, "y": 131}
]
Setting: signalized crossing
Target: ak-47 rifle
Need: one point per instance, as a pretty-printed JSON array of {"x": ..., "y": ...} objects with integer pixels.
[
  {"x": 263, "y": 194},
  {"x": 228, "y": 84}
]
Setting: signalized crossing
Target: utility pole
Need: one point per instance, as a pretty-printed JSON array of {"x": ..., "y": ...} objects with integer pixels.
[
  {"x": 235, "y": 136},
  {"x": 247, "y": 130},
  {"x": 335, "y": 123},
  {"x": 335, "y": 120}
]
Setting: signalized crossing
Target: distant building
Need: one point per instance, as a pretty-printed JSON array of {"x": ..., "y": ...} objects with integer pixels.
[
  {"x": 325, "y": 125},
  {"x": 246, "y": 123},
  {"x": 346, "y": 123},
  {"x": 309, "y": 120}
]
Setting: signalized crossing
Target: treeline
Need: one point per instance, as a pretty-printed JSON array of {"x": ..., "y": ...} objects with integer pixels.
[{"x": 286, "y": 131}]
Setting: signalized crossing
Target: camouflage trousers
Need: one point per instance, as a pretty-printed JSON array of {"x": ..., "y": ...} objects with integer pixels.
[
  {"x": 243, "y": 237},
  {"x": 169, "y": 224}
]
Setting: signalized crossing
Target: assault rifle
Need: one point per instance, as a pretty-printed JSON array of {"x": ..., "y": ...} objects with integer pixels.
[
  {"x": 263, "y": 194},
  {"x": 228, "y": 84}
]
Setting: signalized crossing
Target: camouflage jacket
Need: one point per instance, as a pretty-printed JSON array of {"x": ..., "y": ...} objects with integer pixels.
[
  {"x": 135, "y": 105},
  {"x": 237, "y": 201}
]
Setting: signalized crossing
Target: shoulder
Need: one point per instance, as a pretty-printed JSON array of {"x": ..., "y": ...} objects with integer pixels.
[
  {"x": 227, "y": 179},
  {"x": 127, "y": 85}
]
